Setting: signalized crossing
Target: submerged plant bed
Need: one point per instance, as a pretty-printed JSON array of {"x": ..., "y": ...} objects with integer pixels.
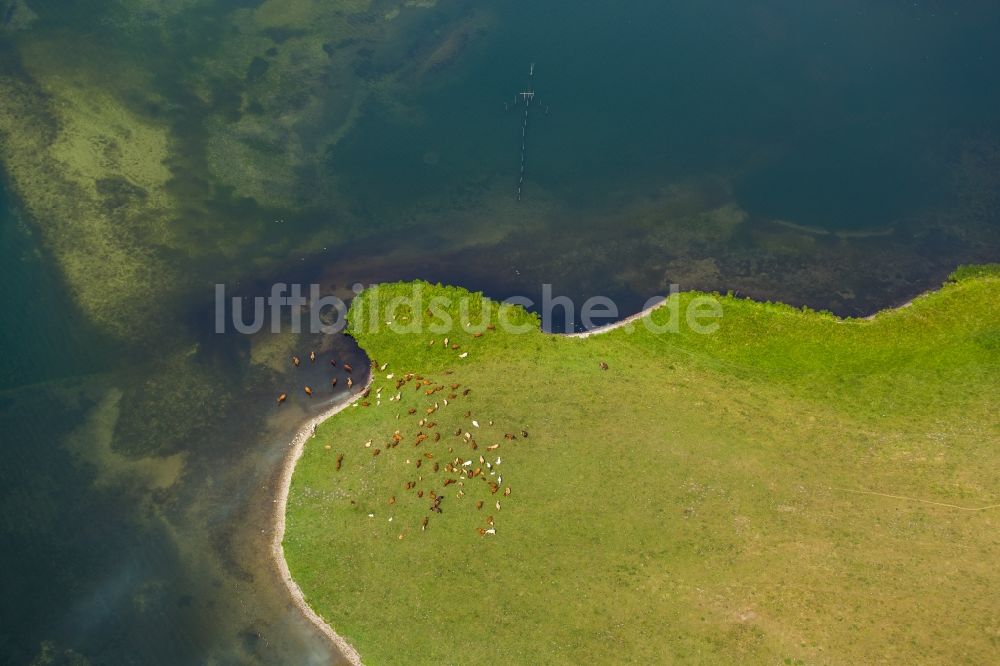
[{"x": 793, "y": 488}]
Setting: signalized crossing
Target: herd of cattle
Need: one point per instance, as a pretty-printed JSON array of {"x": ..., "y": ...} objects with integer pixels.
[{"x": 442, "y": 463}]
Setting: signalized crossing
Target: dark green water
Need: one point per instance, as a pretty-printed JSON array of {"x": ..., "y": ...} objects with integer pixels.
[{"x": 833, "y": 154}]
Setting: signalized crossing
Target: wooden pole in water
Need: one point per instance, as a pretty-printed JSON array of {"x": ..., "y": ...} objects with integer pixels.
[{"x": 528, "y": 96}]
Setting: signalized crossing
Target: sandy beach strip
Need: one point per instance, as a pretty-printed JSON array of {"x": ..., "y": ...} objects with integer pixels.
[
  {"x": 297, "y": 445},
  {"x": 607, "y": 328}
]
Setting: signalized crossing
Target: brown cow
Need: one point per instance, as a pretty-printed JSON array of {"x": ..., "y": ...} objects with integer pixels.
[
  {"x": 308, "y": 391},
  {"x": 296, "y": 361},
  {"x": 312, "y": 357},
  {"x": 347, "y": 367},
  {"x": 282, "y": 398},
  {"x": 340, "y": 461}
]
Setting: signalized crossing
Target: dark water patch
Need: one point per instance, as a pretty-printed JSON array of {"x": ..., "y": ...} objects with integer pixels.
[{"x": 827, "y": 116}]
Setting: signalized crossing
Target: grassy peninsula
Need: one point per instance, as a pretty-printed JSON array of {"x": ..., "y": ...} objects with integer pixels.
[{"x": 794, "y": 488}]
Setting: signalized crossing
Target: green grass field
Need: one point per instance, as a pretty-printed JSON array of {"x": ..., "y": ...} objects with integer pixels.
[{"x": 791, "y": 489}]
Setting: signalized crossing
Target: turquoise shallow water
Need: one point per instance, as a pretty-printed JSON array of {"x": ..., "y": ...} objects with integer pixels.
[{"x": 714, "y": 144}]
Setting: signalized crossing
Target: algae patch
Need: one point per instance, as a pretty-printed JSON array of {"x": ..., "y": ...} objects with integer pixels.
[{"x": 92, "y": 443}]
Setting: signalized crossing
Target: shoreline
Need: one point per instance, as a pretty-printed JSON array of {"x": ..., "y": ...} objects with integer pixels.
[
  {"x": 297, "y": 446},
  {"x": 621, "y": 323},
  {"x": 305, "y": 432}
]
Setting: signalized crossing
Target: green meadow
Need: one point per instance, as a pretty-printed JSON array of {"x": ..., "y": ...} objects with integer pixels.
[{"x": 793, "y": 488}]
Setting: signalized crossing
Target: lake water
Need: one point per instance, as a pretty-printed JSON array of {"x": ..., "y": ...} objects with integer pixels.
[{"x": 830, "y": 154}]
